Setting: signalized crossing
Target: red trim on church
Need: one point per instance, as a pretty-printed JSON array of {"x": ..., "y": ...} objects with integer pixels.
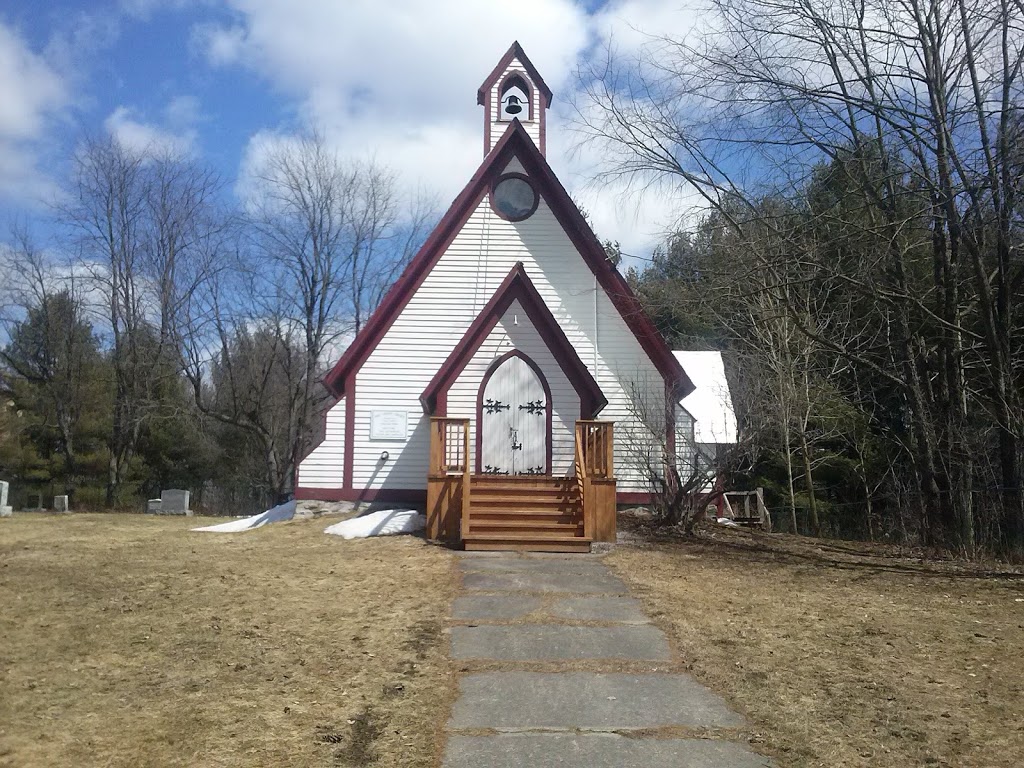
[
  {"x": 516, "y": 286},
  {"x": 516, "y": 143},
  {"x": 418, "y": 497},
  {"x": 365, "y": 495},
  {"x": 514, "y": 52}
]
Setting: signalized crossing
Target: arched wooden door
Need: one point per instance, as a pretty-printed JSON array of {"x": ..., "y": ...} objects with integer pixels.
[{"x": 514, "y": 418}]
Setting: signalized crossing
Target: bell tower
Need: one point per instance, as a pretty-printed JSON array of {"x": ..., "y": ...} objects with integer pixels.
[{"x": 514, "y": 91}]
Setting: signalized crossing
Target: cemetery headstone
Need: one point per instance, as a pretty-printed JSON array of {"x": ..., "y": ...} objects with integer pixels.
[
  {"x": 34, "y": 501},
  {"x": 174, "y": 502},
  {"x": 5, "y": 510},
  {"x": 153, "y": 507},
  {"x": 60, "y": 504}
]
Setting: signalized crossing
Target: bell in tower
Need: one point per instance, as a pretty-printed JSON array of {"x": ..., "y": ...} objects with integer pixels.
[
  {"x": 514, "y": 101},
  {"x": 514, "y": 91}
]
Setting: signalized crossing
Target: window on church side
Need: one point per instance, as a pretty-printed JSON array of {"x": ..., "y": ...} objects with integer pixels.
[{"x": 513, "y": 197}]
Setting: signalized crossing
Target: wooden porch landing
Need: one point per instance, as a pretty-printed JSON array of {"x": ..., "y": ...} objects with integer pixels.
[{"x": 536, "y": 513}]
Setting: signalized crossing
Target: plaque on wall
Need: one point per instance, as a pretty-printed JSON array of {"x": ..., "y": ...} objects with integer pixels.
[{"x": 389, "y": 425}]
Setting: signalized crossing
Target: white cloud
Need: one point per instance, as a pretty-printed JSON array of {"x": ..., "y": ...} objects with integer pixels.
[
  {"x": 401, "y": 57},
  {"x": 177, "y": 136},
  {"x": 183, "y": 112},
  {"x": 398, "y": 82},
  {"x": 33, "y": 94},
  {"x": 630, "y": 24},
  {"x": 634, "y": 212}
]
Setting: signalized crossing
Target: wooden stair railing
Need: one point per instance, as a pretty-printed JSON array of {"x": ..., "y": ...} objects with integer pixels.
[
  {"x": 560, "y": 514},
  {"x": 448, "y": 479},
  {"x": 581, "y": 481},
  {"x": 595, "y": 475}
]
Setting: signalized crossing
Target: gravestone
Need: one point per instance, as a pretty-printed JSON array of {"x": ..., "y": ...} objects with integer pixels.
[
  {"x": 5, "y": 510},
  {"x": 34, "y": 501},
  {"x": 153, "y": 507},
  {"x": 174, "y": 502},
  {"x": 60, "y": 505}
]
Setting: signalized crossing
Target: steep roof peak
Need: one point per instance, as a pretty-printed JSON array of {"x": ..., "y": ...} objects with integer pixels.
[
  {"x": 515, "y": 51},
  {"x": 514, "y": 143}
]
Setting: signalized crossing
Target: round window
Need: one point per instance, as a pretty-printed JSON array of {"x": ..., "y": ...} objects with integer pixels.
[{"x": 514, "y": 197}]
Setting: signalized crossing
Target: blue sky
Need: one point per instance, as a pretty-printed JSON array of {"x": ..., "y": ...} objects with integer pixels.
[{"x": 394, "y": 81}]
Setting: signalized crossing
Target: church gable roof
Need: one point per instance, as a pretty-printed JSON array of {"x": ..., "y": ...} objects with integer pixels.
[
  {"x": 514, "y": 52},
  {"x": 515, "y": 143},
  {"x": 516, "y": 286}
]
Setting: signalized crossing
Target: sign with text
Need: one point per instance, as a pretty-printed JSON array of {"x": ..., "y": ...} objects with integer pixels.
[{"x": 389, "y": 425}]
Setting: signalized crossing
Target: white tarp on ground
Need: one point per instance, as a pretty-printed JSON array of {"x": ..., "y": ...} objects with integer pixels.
[
  {"x": 276, "y": 514},
  {"x": 383, "y": 523}
]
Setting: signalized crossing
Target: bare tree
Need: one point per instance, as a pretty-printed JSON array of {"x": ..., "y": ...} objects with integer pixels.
[
  {"x": 919, "y": 102},
  {"x": 143, "y": 222},
  {"x": 658, "y": 447},
  {"x": 327, "y": 237}
]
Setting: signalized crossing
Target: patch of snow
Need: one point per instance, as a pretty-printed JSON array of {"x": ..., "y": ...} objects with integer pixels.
[
  {"x": 728, "y": 522},
  {"x": 276, "y": 514},
  {"x": 383, "y": 523}
]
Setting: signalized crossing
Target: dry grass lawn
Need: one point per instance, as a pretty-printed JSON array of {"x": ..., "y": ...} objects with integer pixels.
[
  {"x": 845, "y": 655},
  {"x": 129, "y": 641}
]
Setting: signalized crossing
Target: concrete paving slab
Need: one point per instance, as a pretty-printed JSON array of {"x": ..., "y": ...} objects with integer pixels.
[
  {"x": 494, "y": 607},
  {"x": 579, "y": 583},
  {"x": 525, "y": 555},
  {"x": 532, "y": 565},
  {"x": 623, "y": 609},
  {"x": 554, "y": 642},
  {"x": 587, "y": 701},
  {"x": 595, "y": 750}
]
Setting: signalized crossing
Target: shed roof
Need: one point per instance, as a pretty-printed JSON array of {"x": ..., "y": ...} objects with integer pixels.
[{"x": 710, "y": 403}]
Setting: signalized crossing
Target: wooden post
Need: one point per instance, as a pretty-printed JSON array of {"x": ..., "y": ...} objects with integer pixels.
[
  {"x": 762, "y": 511},
  {"x": 582, "y": 480},
  {"x": 728, "y": 507},
  {"x": 435, "y": 505},
  {"x": 609, "y": 449},
  {"x": 465, "y": 479}
]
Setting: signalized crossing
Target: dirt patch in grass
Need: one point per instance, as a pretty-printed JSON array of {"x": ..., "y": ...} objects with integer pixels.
[
  {"x": 130, "y": 641},
  {"x": 845, "y": 655}
]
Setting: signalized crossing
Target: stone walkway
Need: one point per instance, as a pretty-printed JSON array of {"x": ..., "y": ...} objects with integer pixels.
[{"x": 561, "y": 667}]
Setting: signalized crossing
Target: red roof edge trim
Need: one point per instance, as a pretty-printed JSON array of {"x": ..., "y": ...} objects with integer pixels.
[
  {"x": 414, "y": 273},
  {"x": 518, "y": 286},
  {"x": 514, "y": 52},
  {"x": 514, "y": 143},
  {"x": 614, "y": 284}
]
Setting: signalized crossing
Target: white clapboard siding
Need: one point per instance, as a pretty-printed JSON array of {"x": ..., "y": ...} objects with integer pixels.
[
  {"x": 532, "y": 127},
  {"x": 324, "y": 466},
  {"x": 450, "y": 298},
  {"x": 686, "y": 448},
  {"x": 565, "y": 403}
]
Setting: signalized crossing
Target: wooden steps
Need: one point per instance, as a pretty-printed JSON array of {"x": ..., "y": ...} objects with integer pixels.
[
  {"x": 527, "y": 543},
  {"x": 531, "y": 513}
]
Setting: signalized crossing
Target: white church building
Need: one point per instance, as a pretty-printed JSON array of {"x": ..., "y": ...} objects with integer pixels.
[{"x": 510, "y": 379}]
